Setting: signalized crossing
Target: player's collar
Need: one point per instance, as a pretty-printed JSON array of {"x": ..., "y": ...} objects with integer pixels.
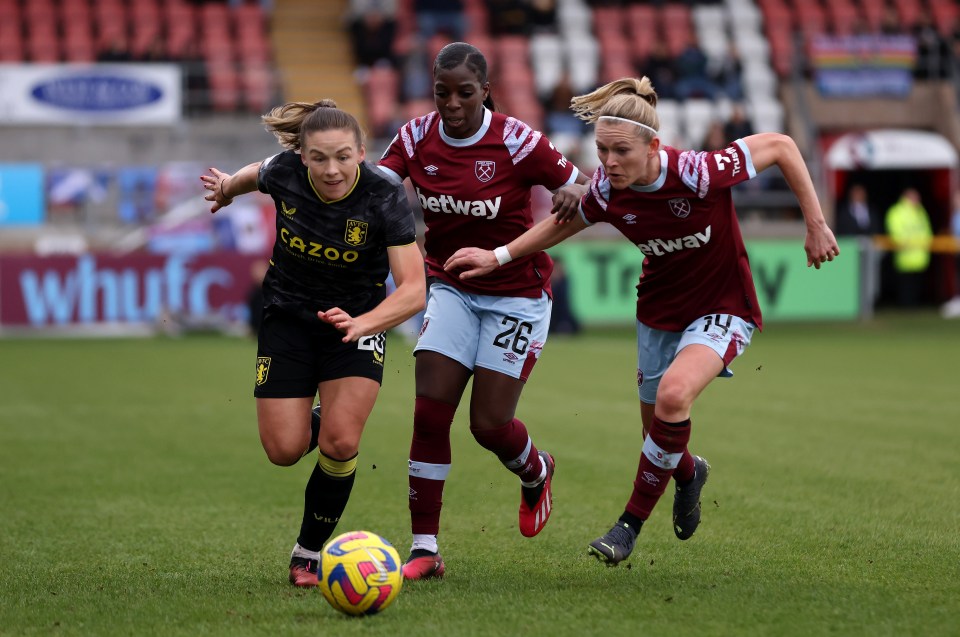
[
  {"x": 658, "y": 184},
  {"x": 473, "y": 139},
  {"x": 349, "y": 192}
]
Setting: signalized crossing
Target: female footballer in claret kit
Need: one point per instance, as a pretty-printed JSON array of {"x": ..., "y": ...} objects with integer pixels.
[{"x": 696, "y": 304}]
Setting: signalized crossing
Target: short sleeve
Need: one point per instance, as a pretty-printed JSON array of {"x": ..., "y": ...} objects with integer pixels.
[
  {"x": 593, "y": 205},
  {"x": 548, "y": 167},
  {"x": 399, "y": 229},
  {"x": 265, "y": 174},
  {"x": 392, "y": 162},
  {"x": 702, "y": 171}
]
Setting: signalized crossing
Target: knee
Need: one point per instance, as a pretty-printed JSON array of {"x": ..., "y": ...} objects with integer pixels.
[
  {"x": 674, "y": 396},
  {"x": 283, "y": 455},
  {"x": 340, "y": 448}
]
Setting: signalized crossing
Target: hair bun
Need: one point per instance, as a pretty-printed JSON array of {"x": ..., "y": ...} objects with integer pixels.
[{"x": 325, "y": 103}]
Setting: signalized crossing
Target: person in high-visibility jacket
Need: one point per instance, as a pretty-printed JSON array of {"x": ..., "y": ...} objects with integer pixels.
[{"x": 909, "y": 229}]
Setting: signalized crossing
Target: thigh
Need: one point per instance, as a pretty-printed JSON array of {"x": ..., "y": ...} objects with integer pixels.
[
  {"x": 656, "y": 350},
  {"x": 493, "y": 398},
  {"x": 450, "y": 326},
  {"x": 287, "y": 358},
  {"x": 440, "y": 378},
  {"x": 347, "y": 403},
  {"x": 284, "y": 426},
  {"x": 513, "y": 331}
]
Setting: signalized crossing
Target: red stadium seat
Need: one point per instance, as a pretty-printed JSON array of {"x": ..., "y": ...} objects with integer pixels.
[
  {"x": 224, "y": 89},
  {"x": 873, "y": 12},
  {"x": 810, "y": 18},
  {"x": 843, "y": 16},
  {"x": 382, "y": 90},
  {"x": 945, "y": 15},
  {"x": 909, "y": 11},
  {"x": 258, "y": 88},
  {"x": 11, "y": 44}
]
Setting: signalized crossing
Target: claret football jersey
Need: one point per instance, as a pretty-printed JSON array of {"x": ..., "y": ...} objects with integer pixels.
[
  {"x": 684, "y": 223},
  {"x": 331, "y": 253},
  {"x": 476, "y": 192}
]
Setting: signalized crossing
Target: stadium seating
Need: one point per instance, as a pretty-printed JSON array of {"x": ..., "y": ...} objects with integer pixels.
[{"x": 49, "y": 31}]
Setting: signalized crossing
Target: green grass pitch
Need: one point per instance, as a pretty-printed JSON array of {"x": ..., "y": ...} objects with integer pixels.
[{"x": 135, "y": 498}]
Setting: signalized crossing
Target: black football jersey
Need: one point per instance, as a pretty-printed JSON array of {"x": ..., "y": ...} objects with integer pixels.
[{"x": 331, "y": 254}]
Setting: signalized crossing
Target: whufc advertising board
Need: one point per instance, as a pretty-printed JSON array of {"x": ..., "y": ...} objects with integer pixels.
[
  {"x": 97, "y": 289},
  {"x": 90, "y": 94}
]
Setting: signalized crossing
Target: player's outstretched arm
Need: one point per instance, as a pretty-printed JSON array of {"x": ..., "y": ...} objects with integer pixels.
[
  {"x": 406, "y": 264},
  {"x": 476, "y": 262},
  {"x": 768, "y": 149},
  {"x": 223, "y": 187},
  {"x": 566, "y": 200}
]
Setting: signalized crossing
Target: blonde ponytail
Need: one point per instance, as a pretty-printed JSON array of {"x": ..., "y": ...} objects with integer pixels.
[{"x": 628, "y": 98}]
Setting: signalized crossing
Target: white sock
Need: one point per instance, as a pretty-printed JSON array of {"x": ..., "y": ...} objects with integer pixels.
[
  {"x": 424, "y": 542},
  {"x": 299, "y": 551},
  {"x": 543, "y": 476}
]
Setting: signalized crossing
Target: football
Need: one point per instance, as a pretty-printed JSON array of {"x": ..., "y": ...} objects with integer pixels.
[{"x": 359, "y": 573}]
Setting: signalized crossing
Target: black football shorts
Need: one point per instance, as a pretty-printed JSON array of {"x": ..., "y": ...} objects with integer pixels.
[{"x": 294, "y": 356}]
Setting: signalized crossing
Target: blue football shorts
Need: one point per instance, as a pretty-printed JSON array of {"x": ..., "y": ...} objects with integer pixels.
[
  {"x": 725, "y": 334},
  {"x": 502, "y": 333}
]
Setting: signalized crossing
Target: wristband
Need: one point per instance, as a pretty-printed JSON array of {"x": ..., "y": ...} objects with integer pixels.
[
  {"x": 223, "y": 189},
  {"x": 503, "y": 255}
]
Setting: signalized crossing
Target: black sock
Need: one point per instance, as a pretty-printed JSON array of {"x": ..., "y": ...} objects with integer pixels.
[
  {"x": 314, "y": 429},
  {"x": 324, "y": 500},
  {"x": 634, "y": 522},
  {"x": 532, "y": 494}
]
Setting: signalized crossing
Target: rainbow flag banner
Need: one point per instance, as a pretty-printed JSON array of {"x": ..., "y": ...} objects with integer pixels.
[{"x": 863, "y": 65}]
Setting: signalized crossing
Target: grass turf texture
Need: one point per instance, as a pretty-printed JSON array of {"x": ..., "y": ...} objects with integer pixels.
[{"x": 135, "y": 498}]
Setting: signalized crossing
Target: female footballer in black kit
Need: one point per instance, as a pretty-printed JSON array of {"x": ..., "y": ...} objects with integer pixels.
[{"x": 341, "y": 226}]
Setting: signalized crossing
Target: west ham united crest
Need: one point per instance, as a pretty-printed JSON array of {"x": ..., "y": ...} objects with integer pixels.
[
  {"x": 263, "y": 369},
  {"x": 680, "y": 207},
  {"x": 356, "y": 234},
  {"x": 484, "y": 170}
]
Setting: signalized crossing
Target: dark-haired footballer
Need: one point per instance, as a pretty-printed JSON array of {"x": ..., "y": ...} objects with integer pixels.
[{"x": 472, "y": 170}]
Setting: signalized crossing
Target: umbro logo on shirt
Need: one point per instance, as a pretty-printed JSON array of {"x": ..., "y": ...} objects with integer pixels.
[{"x": 431, "y": 170}]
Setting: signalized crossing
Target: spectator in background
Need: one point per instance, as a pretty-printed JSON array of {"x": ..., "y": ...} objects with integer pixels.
[
  {"x": 715, "y": 139},
  {"x": 508, "y": 17},
  {"x": 117, "y": 51},
  {"x": 562, "y": 318},
  {"x": 542, "y": 16},
  {"x": 909, "y": 229},
  {"x": 952, "y": 307},
  {"x": 855, "y": 217},
  {"x": 693, "y": 80},
  {"x": 258, "y": 270},
  {"x": 658, "y": 66},
  {"x": 440, "y": 16},
  {"x": 373, "y": 28},
  {"x": 726, "y": 73},
  {"x": 933, "y": 51},
  {"x": 738, "y": 126}
]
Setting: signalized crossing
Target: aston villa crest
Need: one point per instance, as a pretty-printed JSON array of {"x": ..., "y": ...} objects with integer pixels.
[
  {"x": 680, "y": 207},
  {"x": 484, "y": 170},
  {"x": 356, "y": 234}
]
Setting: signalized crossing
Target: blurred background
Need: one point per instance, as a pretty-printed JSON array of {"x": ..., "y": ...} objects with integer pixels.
[{"x": 111, "y": 109}]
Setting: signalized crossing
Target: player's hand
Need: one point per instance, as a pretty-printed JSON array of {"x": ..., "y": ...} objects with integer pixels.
[
  {"x": 344, "y": 322},
  {"x": 214, "y": 183},
  {"x": 566, "y": 202},
  {"x": 820, "y": 246},
  {"x": 473, "y": 261}
]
